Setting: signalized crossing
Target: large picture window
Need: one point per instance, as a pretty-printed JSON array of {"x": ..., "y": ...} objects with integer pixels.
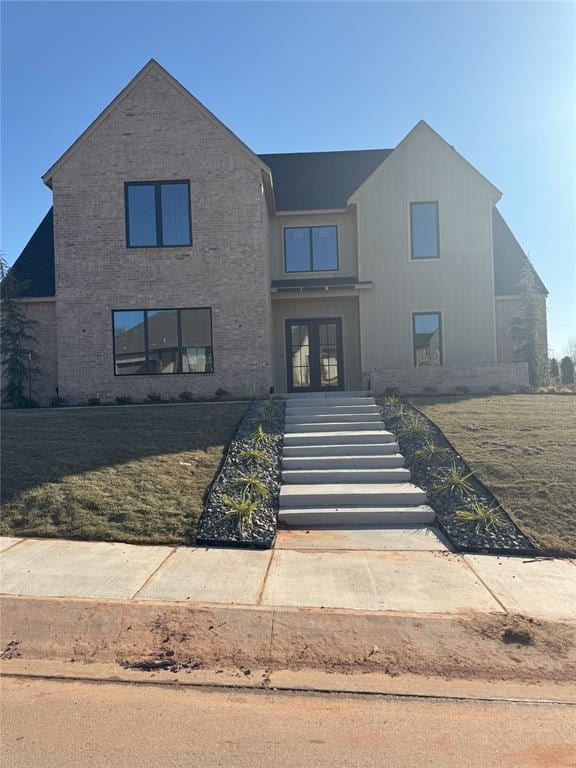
[
  {"x": 311, "y": 249},
  {"x": 162, "y": 341},
  {"x": 427, "y": 335},
  {"x": 158, "y": 214},
  {"x": 424, "y": 231}
]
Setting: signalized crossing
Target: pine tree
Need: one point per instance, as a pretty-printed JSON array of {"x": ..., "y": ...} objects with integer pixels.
[
  {"x": 530, "y": 348},
  {"x": 554, "y": 371},
  {"x": 17, "y": 343},
  {"x": 567, "y": 370}
]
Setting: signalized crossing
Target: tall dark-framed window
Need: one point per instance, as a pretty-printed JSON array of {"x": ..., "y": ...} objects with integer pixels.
[
  {"x": 157, "y": 213},
  {"x": 424, "y": 230},
  {"x": 162, "y": 341},
  {"x": 427, "y": 338},
  {"x": 311, "y": 249}
]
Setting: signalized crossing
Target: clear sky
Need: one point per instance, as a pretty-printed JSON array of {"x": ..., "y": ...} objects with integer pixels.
[{"x": 496, "y": 79}]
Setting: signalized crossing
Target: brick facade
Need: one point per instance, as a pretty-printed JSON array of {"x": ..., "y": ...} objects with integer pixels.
[
  {"x": 410, "y": 381},
  {"x": 157, "y": 133}
]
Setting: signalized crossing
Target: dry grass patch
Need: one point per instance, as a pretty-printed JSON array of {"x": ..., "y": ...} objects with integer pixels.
[
  {"x": 523, "y": 447},
  {"x": 134, "y": 474}
]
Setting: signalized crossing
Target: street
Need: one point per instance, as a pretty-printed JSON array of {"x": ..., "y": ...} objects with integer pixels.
[{"x": 59, "y": 724}]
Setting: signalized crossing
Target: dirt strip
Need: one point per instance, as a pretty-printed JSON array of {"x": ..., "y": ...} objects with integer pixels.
[{"x": 156, "y": 637}]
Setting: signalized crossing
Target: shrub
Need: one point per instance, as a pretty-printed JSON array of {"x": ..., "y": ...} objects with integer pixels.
[
  {"x": 221, "y": 393},
  {"x": 431, "y": 451},
  {"x": 414, "y": 426},
  {"x": 483, "y": 517},
  {"x": 154, "y": 397},
  {"x": 453, "y": 480},
  {"x": 254, "y": 456},
  {"x": 240, "y": 509},
  {"x": 123, "y": 400},
  {"x": 391, "y": 400},
  {"x": 260, "y": 437},
  {"x": 392, "y": 391},
  {"x": 462, "y": 390},
  {"x": 94, "y": 400},
  {"x": 186, "y": 396},
  {"x": 567, "y": 370},
  {"x": 57, "y": 402},
  {"x": 251, "y": 486}
]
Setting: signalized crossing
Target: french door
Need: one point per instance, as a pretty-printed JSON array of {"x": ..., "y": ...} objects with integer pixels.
[{"x": 314, "y": 354}]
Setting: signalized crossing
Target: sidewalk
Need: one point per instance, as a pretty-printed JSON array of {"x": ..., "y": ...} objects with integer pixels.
[{"x": 351, "y": 569}]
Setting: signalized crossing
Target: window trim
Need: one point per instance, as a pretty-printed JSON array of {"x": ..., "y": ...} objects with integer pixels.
[
  {"x": 158, "y": 209},
  {"x": 310, "y": 227},
  {"x": 440, "y": 327},
  {"x": 179, "y": 372},
  {"x": 410, "y": 230}
]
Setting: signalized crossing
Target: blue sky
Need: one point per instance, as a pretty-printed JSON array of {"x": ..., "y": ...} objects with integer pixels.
[{"x": 496, "y": 79}]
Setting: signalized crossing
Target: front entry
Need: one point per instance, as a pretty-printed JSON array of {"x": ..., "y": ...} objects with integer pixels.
[{"x": 314, "y": 354}]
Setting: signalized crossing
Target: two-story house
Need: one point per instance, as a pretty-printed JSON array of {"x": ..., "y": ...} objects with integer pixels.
[{"x": 175, "y": 258}]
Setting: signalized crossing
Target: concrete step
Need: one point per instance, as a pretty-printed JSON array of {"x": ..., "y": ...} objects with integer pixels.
[
  {"x": 336, "y": 426},
  {"x": 366, "y": 437},
  {"x": 376, "y": 461},
  {"x": 330, "y": 516},
  {"x": 353, "y": 476},
  {"x": 328, "y": 402},
  {"x": 325, "y": 409},
  {"x": 326, "y": 395},
  {"x": 330, "y": 418},
  {"x": 351, "y": 495},
  {"x": 343, "y": 450}
]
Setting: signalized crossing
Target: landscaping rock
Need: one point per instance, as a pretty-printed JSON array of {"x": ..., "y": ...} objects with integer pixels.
[
  {"x": 505, "y": 538},
  {"x": 218, "y": 525}
]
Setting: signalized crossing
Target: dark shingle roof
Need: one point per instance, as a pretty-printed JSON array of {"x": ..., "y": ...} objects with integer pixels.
[
  {"x": 509, "y": 258},
  {"x": 307, "y": 181},
  {"x": 34, "y": 268}
]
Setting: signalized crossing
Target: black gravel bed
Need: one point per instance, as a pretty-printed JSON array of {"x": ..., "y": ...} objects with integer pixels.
[
  {"x": 504, "y": 539},
  {"x": 217, "y": 527}
]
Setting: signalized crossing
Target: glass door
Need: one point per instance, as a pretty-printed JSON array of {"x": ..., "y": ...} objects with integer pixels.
[{"x": 314, "y": 354}]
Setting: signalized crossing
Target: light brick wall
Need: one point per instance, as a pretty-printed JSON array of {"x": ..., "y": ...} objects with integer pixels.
[
  {"x": 158, "y": 134},
  {"x": 43, "y": 314},
  {"x": 410, "y": 381}
]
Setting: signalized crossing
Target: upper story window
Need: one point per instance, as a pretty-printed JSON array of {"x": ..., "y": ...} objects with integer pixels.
[
  {"x": 311, "y": 249},
  {"x": 427, "y": 335},
  {"x": 151, "y": 341},
  {"x": 424, "y": 230},
  {"x": 158, "y": 214}
]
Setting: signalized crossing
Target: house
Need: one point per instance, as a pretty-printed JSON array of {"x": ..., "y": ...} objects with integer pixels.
[{"x": 175, "y": 258}]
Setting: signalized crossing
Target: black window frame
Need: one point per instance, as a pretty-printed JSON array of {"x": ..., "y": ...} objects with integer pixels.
[
  {"x": 178, "y": 372},
  {"x": 440, "y": 329},
  {"x": 311, "y": 270},
  {"x": 413, "y": 204},
  {"x": 158, "y": 209}
]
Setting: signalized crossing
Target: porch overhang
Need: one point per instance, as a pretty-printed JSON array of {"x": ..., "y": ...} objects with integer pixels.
[{"x": 319, "y": 285}]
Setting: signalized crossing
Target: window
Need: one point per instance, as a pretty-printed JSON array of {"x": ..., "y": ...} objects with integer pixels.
[
  {"x": 158, "y": 214},
  {"x": 427, "y": 335},
  {"x": 159, "y": 341},
  {"x": 311, "y": 249},
  {"x": 424, "y": 231}
]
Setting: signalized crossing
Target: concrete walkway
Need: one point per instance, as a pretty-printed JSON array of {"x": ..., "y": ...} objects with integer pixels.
[
  {"x": 340, "y": 466},
  {"x": 367, "y": 569}
]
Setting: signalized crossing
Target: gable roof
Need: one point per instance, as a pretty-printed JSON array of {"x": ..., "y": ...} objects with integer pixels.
[
  {"x": 509, "y": 259},
  {"x": 151, "y": 66},
  {"x": 34, "y": 268},
  {"x": 308, "y": 181}
]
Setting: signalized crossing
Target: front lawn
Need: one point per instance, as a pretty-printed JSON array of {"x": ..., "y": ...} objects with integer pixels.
[
  {"x": 134, "y": 474},
  {"x": 523, "y": 447}
]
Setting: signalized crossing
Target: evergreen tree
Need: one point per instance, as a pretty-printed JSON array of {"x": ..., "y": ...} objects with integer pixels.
[
  {"x": 17, "y": 343},
  {"x": 554, "y": 371},
  {"x": 567, "y": 370},
  {"x": 526, "y": 328}
]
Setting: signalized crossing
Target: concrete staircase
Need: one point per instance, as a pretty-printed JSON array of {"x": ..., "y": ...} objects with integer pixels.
[{"x": 341, "y": 466}]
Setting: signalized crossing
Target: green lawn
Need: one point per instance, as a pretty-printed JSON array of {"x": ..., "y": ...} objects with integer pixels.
[
  {"x": 523, "y": 447},
  {"x": 135, "y": 474}
]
